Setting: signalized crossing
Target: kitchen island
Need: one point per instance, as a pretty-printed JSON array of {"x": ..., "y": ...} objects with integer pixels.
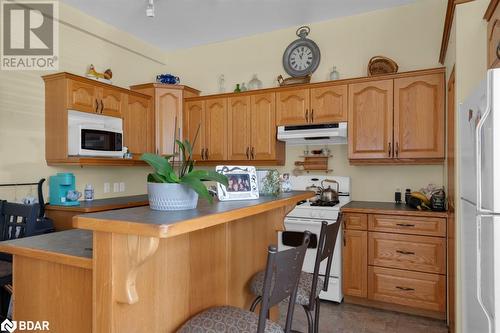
[{"x": 149, "y": 271}]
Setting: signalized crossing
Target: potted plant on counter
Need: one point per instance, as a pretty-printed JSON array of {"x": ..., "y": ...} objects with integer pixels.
[{"x": 171, "y": 190}]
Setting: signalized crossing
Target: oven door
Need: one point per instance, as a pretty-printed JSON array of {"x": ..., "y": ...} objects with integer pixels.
[
  {"x": 295, "y": 227},
  {"x": 95, "y": 141}
]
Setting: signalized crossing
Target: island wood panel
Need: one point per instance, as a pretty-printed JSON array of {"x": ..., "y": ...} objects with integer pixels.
[
  {"x": 239, "y": 125},
  {"x": 187, "y": 274},
  {"x": 216, "y": 129},
  {"x": 419, "y": 116},
  {"x": 292, "y": 107},
  {"x": 329, "y": 104},
  {"x": 263, "y": 127},
  {"x": 51, "y": 283},
  {"x": 370, "y": 127},
  {"x": 194, "y": 126}
]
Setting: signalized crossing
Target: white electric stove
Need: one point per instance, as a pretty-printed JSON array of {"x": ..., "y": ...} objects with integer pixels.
[{"x": 308, "y": 215}]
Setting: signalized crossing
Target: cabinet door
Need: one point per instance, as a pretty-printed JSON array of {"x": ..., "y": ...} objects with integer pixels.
[
  {"x": 139, "y": 130},
  {"x": 263, "y": 126},
  {"x": 292, "y": 107},
  {"x": 194, "y": 119},
  {"x": 329, "y": 104},
  {"x": 82, "y": 97},
  {"x": 216, "y": 129},
  {"x": 370, "y": 120},
  {"x": 168, "y": 120},
  {"x": 110, "y": 102},
  {"x": 494, "y": 40},
  {"x": 419, "y": 117},
  {"x": 238, "y": 109},
  {"x": 355, "y": 263}
]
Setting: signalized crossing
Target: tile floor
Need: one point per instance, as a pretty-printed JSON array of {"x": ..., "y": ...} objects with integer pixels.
[{"x": 349, "y": 318}]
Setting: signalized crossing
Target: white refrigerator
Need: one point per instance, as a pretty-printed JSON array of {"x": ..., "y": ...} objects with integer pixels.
[{"x": 479, "y": 121}]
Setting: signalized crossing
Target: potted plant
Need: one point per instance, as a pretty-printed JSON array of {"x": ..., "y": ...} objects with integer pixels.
[{"x": 170, "y": 190}]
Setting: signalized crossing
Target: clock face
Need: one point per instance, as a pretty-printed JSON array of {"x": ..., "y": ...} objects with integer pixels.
[{"x": 301, "y": 58}]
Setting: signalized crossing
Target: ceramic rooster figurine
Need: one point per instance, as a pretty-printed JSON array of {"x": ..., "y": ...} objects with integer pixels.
[{"x": 108, "y": 74}]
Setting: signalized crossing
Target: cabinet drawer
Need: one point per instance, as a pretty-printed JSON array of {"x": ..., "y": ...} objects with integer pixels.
[
  {"x": 428, "y": 226},
  {"x": 417, "y": 253},
  {"x": 418, "y": 290},
  {"x": 356, "y": 221}
]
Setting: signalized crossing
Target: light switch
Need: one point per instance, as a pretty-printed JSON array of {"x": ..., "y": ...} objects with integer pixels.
[
  {"x": 122, "y": 187},
  {"x": 116, "y": 187},
  {"x": 107, "y": 187}
]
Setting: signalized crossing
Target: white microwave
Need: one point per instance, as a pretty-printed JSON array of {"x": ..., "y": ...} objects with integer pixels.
[{"x": 94, "y": 135}]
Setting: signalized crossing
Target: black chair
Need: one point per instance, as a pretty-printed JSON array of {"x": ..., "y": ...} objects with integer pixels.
[
  {"x": 280, "y": 282},
  {"x": 310, "y": 285}
]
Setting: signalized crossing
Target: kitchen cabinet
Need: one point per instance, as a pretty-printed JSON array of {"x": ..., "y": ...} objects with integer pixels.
[
  {"x": 394, "y": 257},
  {"x": 400, "y": 120},
  {"x": 65, "y": 91},
  {"x": 216, "y": 129},
  {"x": 194, "y": 127},
  {"x": 370, "y": 126},
  {"x": 168, "y": 105},
  {"x": 138, "y": 128},
  {"x": 239, "y": 121},
  {"x": 302, "y": 106},
  {"x": 493, "y": 37}
]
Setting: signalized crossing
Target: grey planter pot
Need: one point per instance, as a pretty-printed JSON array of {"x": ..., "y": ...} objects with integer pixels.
[{"x": 165, "y": 196}]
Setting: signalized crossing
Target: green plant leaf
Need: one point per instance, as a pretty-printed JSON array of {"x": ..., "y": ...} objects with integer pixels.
[
  {"x": 209, "y": 175},
  {"x": 156, "y": 178},
  {"x": 189, "y": 148},
  {"x": 198, "y": 186},
  {"x": 158, "y": 163}
]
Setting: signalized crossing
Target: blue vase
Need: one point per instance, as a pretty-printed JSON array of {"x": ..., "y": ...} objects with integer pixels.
[{"x": 167, "y": 79}]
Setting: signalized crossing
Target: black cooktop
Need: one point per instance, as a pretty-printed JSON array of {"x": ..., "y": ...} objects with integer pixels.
[{"x": 320, "y": 203}]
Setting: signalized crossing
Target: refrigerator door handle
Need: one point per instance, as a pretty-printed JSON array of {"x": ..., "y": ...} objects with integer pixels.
[
  {"x": 479, "y": 128},
  {"x": 478, "y": 274}
]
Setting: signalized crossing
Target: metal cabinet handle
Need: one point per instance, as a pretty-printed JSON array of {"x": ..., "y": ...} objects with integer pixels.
[
  {"x": 389, "y": 150},
  {"x": 206, "y": 153},
  {"x": 202, "y": 153},
  {"x": 96, "y": 105},
  {"x": 307, "y": 115},
  {"x": 344, "y": 239},
  {"x": 312, "y": 115},
  {"x": 404, "y": 288},
  {"x": 248, "y": 153},
  {"x": 498, "y": 51},
  {"x": 252, "y": 153},
  {"x": 102, "y": 105},
  {"x": 405, "y": 252},
  {"x": 405, "y": 225},
  {"x": 397, "y": 149}
]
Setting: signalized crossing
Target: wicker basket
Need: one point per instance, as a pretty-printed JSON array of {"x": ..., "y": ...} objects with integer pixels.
[{"x": 380, "y": 65}]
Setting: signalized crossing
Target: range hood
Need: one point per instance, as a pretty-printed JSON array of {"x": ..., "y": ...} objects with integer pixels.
[{"x": 324, "y": 134}]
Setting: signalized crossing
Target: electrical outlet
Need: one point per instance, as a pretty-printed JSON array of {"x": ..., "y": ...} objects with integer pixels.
[
  {"x": 107, "y": 188},
  {"x": 122, "y": 187},
  {"x": 116, "y": 187}
]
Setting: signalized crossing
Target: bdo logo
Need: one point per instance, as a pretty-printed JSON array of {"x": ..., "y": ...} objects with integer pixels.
[{"x": 30, "y": 35}]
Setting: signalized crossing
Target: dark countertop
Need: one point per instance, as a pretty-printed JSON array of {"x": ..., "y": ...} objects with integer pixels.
[
  {"x": 373, "y": 207},
  {"x": 147, "y": 222},
  {"x": 100, "y": 205},
  {"x": 73, "y": 247}
]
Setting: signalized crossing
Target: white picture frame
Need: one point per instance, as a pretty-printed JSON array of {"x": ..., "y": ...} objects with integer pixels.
[{"x": 243, "y": 184}]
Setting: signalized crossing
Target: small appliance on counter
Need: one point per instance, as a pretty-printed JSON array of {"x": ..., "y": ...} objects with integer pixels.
[{"x": 62, "y": 190}]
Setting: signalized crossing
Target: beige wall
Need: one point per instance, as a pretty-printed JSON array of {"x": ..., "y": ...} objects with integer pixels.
[
  {"x": 22, "y": 103},
  {"x": 467, "y": 51},
  {"x": 411, "y": 35}
]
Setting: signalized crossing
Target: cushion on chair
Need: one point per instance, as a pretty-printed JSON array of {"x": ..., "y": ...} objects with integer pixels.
[
  {"x": 303, "y": 291},
  {"x": 223, "y": 319}
]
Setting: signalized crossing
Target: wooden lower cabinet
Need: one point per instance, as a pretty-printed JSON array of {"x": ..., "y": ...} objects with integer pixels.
[
  {"x": 415, "y": 289},
  {"x": 395, "y": 262}
]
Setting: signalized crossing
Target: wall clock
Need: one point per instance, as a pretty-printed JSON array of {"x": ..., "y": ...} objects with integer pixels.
[{"x": 302, "y": 56}]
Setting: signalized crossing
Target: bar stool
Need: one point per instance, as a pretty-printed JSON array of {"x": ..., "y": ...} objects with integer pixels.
[
  {"x": 310, "y": 285},
  {"x": 281, "y": 279}
]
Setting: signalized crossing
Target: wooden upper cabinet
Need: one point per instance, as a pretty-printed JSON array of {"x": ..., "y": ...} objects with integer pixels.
[
  {"x": 82, "y": 96},
  {"x": 110, "y": 102},
  {"x": 419, "y": 117},
  {"x": 263, "y": 126},
  {"x": 168, "y": 107},
  {"x": 216, "y": 129},
  {"x": 292, "y": 107},
  {"x": 138, "y": 125},
  {"x": 194, "y": 119},
  {"x": 494, "y": 39},
  {"x": 370, "y": 115},
  {"x": 239, "y": 128},
  {"x": 329, "y": 104}
]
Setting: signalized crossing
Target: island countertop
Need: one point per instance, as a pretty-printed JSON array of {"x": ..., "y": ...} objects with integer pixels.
[{"x": 162, "y": 224}]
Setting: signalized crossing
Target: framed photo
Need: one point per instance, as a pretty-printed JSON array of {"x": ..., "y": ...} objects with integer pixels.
[{"x": 242, "y": 180}]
